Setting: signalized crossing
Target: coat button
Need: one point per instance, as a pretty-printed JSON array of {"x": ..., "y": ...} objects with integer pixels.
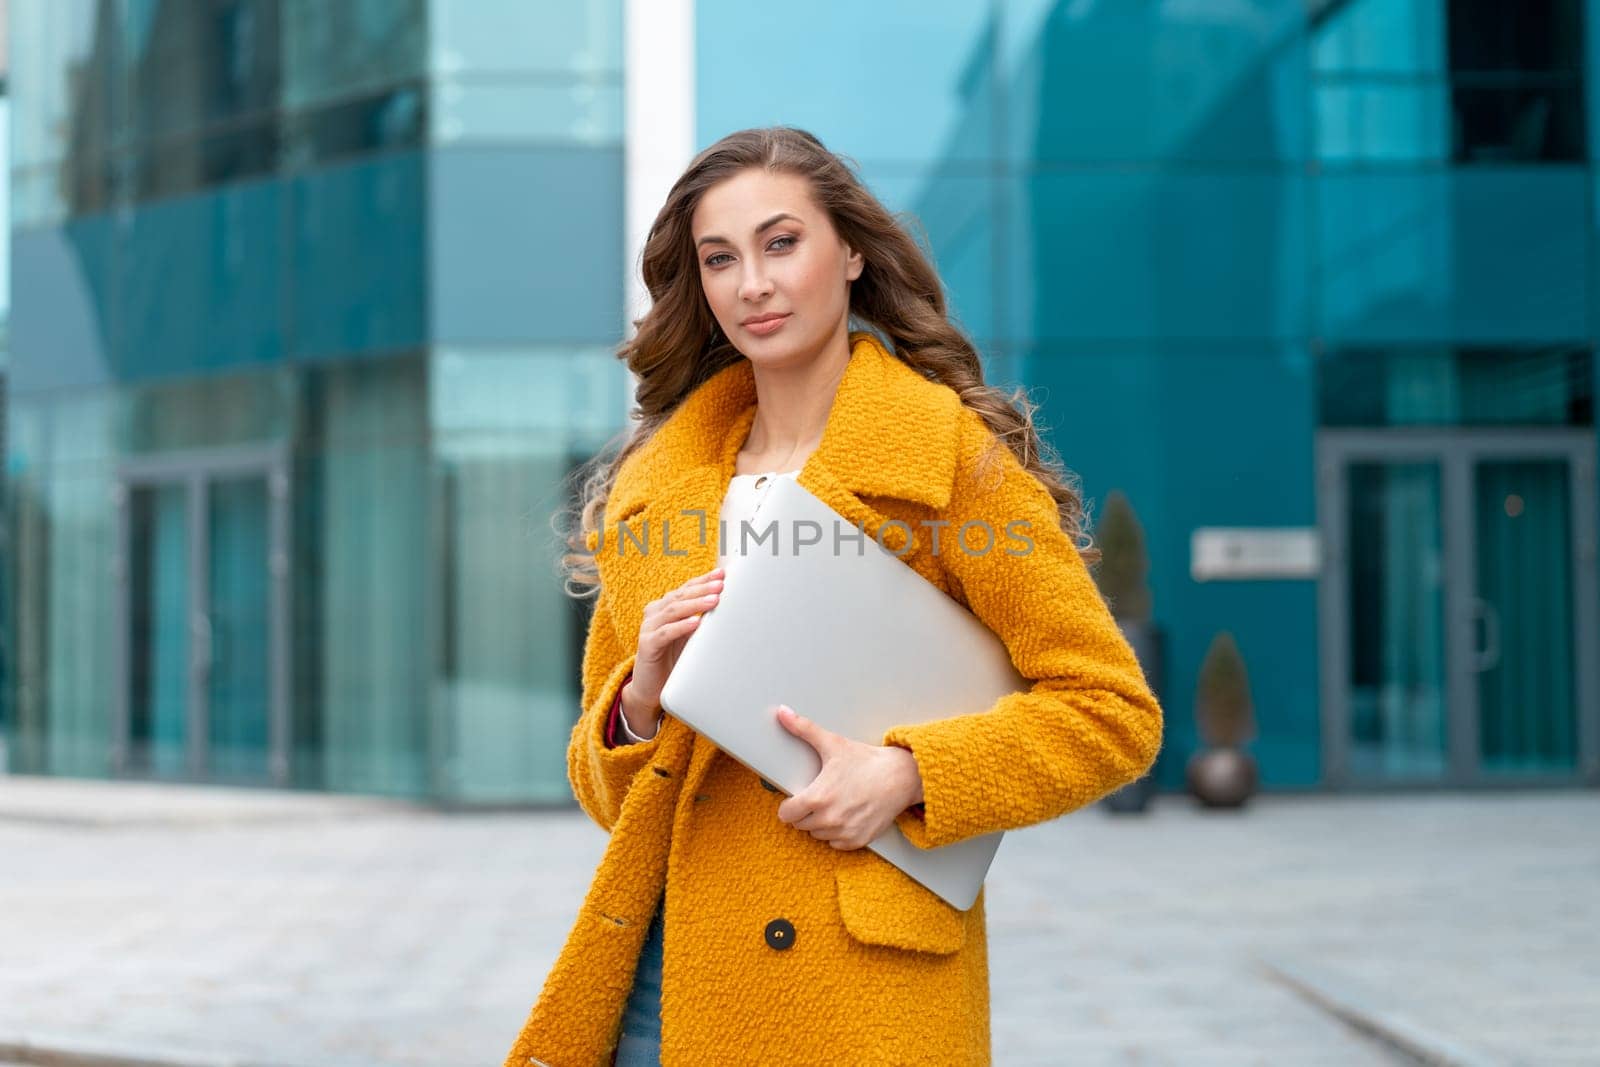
[{"x": 780, "y": 934}]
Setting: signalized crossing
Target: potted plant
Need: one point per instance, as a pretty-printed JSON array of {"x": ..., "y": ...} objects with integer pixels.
[
  {"x": 1123, "y": 577},
  {"x": 1222, "y": 774}
]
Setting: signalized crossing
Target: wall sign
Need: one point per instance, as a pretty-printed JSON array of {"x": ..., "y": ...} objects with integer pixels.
[{"x": 1235, "y": 552}]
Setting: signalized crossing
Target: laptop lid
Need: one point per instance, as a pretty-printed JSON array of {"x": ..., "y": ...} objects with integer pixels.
[{"x": 849, "y": 636}]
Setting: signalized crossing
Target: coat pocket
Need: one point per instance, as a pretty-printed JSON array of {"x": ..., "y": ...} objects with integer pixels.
[{"x": 882, "y": 905}]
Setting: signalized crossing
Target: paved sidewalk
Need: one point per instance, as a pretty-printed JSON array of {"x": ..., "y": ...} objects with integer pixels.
[{"x": 224, "y": 926}]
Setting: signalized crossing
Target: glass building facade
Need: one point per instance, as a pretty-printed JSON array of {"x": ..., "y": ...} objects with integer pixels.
[
  {"x": 316, "y": 310},
  {"x": 1321, "y": 269},
  {"x": 314, "y": 307}
]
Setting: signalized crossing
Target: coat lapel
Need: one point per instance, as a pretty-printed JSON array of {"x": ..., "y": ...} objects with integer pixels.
[{"x": 891, "y": 433}]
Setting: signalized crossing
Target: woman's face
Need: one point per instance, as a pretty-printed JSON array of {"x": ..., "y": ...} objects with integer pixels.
[{"x": 765, "y": 249}]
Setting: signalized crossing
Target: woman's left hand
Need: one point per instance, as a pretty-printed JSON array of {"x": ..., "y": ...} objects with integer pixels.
[{"x": 859, "y": 791}]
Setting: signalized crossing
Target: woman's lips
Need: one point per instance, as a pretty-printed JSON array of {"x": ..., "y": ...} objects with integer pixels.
[{"x": 767, "y": 326}]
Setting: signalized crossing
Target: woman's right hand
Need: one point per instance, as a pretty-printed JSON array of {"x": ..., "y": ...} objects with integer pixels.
[{"x": 667, "y": 624}]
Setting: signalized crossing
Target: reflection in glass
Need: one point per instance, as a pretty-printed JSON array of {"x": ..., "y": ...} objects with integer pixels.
[
  {"x": 517, "y": 110},
  {"x": 390, "y": 119},
  {"x": 1475, "y": 254},
  {"x": 1469, "y": 81},
  {"x": 1392, "y": 123},
  {"x": 192, "y": 68},
  {"x": 509, "y": 641},
  {"x": 503, "y": 36},
  {"x": 1451, "y": 385},
  {"x": 336, "y": 49},
  {"x": 1525, "y": 123},
  {"x": 361, "y": 634},
  {"x": 1379, "y": 36},
  {"x": 1397, "y": 634}
]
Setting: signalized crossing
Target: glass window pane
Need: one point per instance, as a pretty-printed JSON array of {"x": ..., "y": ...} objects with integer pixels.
[
  {"x": 1470, "y": 254},
  {"x": 193, "y": 67},
  {"x": 513, "y": 637},
  {"x": 59, "y": 112},
  {"x": 1390, "y": 36},
  {"x": 583, "y": 112},
  {"x": 1442, "y": 386},
  {"x": 485, "y": 287},
  {"x": 363, "y": 660},
  {"x": 389, "y": 120},
  {"x": 1392, "y": 123},
  {"x": 580, "y": 393},
  {"x": 1518, "y": 124},
  {"x": 512, "y": 35},
  {"x": 339, "y": 48}
]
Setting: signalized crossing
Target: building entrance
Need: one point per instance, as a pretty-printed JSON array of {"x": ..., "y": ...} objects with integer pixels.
[
  {"x": 203, "y": 611},
  {"x": 1458, "y": 607}
]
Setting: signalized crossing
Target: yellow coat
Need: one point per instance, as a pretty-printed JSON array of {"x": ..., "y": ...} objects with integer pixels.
[{"x": 880, "y": 971}]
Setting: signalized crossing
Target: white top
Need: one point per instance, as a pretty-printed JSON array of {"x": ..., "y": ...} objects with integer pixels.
[{"x": 742, "y": 501}]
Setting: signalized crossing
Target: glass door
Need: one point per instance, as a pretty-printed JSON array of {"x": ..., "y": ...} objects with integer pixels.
[
  {"x": 158, "y": 681},
  {"x": 1522, "y": 610},
  {"x": 203, "y": 614},
  {"x": 1457, "y": 597},
  {"x": 1395, "y": 626},
  {"x": 237, "y": 627}
]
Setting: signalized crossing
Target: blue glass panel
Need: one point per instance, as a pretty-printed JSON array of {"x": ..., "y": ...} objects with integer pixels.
[
  {"x": 577, "y": 112},
  {"x": 1157, "y": 81},
  {"x": 359, "y": 258},
  {"x": 53, "y": 46},
  {"x": 525, "y": 244},
  {"x": 1478, "y": 255},
  {"x": 1389, "y": 123},
  {"x": 333, "y": 49},
  {"x": 953, "y": 213},
  {"x": 501, "y": 36},
  {"x": 882, "y": 82},
  {"x": 1381, "y": 36},
  {"x": 198, "y": 282},
  {"x": 1179, "y": 255},
  {"x": 62, "y": 325}
]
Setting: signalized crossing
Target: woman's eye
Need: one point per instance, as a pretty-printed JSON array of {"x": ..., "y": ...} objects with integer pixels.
[{"x": 711, "y": 261}]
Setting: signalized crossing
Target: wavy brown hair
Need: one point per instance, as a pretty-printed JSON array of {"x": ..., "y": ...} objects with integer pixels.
[{"x": 898, "y": 296}]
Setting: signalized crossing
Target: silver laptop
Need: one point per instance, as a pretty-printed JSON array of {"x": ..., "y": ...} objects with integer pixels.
[{"x": 850, "y": 637}]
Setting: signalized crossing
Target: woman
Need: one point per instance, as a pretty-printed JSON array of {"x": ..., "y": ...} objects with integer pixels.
[{"x": 758, "y": 927}]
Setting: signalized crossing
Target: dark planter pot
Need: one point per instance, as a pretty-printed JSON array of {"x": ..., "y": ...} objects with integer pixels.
[
  {"x": 1148, "y": 642},
  {"x": 1222, "y": 777}
]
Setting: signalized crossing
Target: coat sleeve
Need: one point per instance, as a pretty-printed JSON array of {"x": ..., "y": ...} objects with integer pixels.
[
  {"x": 1087, "y": 725},
  {"x": 600, "y": 775}
]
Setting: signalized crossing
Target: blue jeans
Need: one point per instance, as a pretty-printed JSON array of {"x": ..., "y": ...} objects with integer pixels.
[{"x": 640, "y": 1043}]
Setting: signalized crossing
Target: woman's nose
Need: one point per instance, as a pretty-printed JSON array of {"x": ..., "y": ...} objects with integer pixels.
[{"x": 754, "y": 285}]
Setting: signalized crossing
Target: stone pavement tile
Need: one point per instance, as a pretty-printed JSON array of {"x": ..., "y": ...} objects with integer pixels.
[
  {"x": 403, "y": 937},
  {"x": 91, "y": 803}
]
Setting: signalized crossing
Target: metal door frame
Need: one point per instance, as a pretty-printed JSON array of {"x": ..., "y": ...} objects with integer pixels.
[
  {"x": 1456, "y": 451},
  {"x": 196, "y": 470}
]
